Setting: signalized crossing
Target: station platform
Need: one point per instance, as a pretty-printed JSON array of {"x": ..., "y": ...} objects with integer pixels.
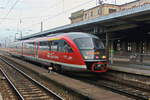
[{"x": 139, "y": 69}]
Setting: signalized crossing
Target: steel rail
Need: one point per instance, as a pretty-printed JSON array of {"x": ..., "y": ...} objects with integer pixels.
[
  {"x": 33, "y": 80},
  {"x": 11, "y": 83},
  {"x": 120, "y": 88},
  {"x": 123, "y": 91}
]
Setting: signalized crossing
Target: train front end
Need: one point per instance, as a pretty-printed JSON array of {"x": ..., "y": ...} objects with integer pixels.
[{"x": 93, "y": 52}]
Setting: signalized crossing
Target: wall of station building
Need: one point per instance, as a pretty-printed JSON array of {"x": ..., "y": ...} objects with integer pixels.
[
  {"x": 94, "y": 12},
  {"x": 79, "y": 19},
  {"x": 104, "y": 9},
  {"x": 134, "y": 4},
  {"x": 101, "y": 10},
  {"x": 76, "y": 16},
  {"x": 109, "y": 8}
]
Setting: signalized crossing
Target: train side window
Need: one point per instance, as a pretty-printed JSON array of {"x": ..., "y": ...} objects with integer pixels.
[
  {"x": 44, "y": 45},
  {"x": 54, "y": 45},
  {"x": 31, "y": 45},
  {"x": 67, "y": 47},
  {"x": 60, "y": 45},
  {"x": 29, "y": 48},
  {"x": 64, "y": 46}
]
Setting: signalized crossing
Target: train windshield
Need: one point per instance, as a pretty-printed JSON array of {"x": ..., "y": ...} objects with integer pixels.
[
  {"x": 89, "y": 43},
  {"x": 90, "y": 48}
]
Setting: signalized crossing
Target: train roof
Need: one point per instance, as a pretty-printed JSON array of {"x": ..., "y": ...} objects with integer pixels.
[
  {"x": 74, "y": 35},
  {"x": 71, "y": 35}
]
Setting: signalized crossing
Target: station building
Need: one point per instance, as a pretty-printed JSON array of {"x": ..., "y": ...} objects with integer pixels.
[
  {"x": 104, "y": 9},
  {"x": 100, "y": 10},
  {"x": 134, "y": 4},
  {"x": 130, "y": 45}
]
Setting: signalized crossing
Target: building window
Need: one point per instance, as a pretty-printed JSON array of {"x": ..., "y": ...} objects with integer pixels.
[
  {"x": 91, "y": 13},
  {"x": 123, "y": 9},
  {"x": 112, "y": 10},
  {"x": 98, "y": 11},
  {"x": 85, "y": 16}
]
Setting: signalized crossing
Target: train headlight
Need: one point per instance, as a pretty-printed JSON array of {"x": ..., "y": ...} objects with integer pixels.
[
  {"x": 88, "y": 57},
  {"x": 85, "y": 57},
  {"x": 104, "y": 57}
]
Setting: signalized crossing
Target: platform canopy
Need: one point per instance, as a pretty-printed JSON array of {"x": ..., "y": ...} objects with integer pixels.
[{"x": 134, "y": 19}]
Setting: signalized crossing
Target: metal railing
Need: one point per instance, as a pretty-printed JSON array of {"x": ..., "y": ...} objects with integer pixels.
[{"x": 134, "y": 58}]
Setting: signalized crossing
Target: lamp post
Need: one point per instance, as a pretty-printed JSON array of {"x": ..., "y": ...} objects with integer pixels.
[
  {"x": 115, "y": 2},
  {"x": 21, "y": 35},
  {"x": 5, "y": 42},
  {"x": 15, "y": 36}
]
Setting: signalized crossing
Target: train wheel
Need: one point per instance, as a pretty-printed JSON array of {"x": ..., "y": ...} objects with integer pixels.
[{"x": 57, "y": 68}]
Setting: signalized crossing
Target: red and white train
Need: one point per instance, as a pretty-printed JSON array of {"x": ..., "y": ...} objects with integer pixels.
[{"x": 74, "y": 51}]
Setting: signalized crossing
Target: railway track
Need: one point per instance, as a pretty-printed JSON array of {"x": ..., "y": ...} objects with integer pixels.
[
  {"x": 131, "y": 91},
  {"x": 125, "y": 89},
  {"x": 26, "y": 87},
  {"x": 122, "y": 88},
  {"x": 6, "y": 91}
]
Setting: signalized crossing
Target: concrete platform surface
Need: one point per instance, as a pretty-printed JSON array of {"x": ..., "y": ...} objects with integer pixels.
[{"x": 131, "y": 68}]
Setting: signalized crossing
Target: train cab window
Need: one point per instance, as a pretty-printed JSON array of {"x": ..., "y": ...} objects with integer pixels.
[
  {"x": 44, "y": 45},
  {"x": 89, "y": 43},
  {"x": 64, "y": 47},
  {"x": 84, "y": 43},
  {"x": 67, "y": 47},
  {"x": 98, "y": 44}
]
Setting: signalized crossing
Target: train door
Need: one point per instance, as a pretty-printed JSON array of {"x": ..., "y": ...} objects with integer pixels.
[
  {"x": 36, "y": 49},
  {"x": 22, "y": 48},
  {"x": 65, "y": 48}
]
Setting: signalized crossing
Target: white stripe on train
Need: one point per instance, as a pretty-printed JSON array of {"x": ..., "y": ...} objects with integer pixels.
[{"x": 64, "y": 64}]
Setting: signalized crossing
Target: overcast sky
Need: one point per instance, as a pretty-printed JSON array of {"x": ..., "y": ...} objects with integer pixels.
[{"x": 26, "y": 15}]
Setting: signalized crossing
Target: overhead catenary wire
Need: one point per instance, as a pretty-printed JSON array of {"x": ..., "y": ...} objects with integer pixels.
[
  {"x": 44, "y": 17},
  {"x": 51, "y": 6},
  {"x": 60, "y": 13},
  {"x": 9, "y": 11}
]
